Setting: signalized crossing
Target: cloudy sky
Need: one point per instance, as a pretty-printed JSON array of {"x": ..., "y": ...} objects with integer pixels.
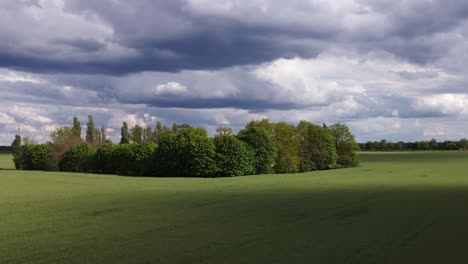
[{"x": 388, "y": 69}]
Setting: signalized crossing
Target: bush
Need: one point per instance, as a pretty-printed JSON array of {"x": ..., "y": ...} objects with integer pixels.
[
  {"x": 142, "y": 158},
  {"x": 78, "y": 159},
  {"x": 233, "y": 157},
  {"x": 35, "y": 157},
  {"x": 134, "y": 159},
  {"x": 104, "y": 160},
  {"x": 260, "y": 142},
  {"x": 186, "y": 152}
]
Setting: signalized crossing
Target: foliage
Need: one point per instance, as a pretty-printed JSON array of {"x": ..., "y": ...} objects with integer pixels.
[
  {"x": 104, "y": 161},
  {"x": 136, "y": 134},
  {"x": 124, "y": 134},
  {"x": 286, "y": 142},
  {"x": 63, "y": 139},
  {"x": 185, "y": 152},
  {"x": 35, "y": 156},
  {"x": 346, "y": 145},
  {"x": 262, "y": 147},
  {"x": 233, "y": 157},
  {"x": 134, "y": 159},
  {"x": 316, "y": 147},
  {"x": 91, "y": 134},
  {"x": 260, "y": 142},
  {"x": 78, "y": 159},
  {"x": 17, "y": 152},
  {"x": 433, "y": 144},
  {"x": 76, "y": 127},
  {"x": 103, "y": 136}
]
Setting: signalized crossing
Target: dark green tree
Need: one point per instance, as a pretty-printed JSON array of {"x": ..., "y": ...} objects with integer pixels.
[
  {"x": 124, "y": 134},
  {"x": 316, "y": 147},
  {"x": 233, "y": 157},
  {"x": 185, "y": 152},
  {"x": 76, "y": 127},
  {"x": 136, "y": 134},
  {"x": 103, "y": 135},
  {"x": 35, "y": 156},
  {"x": 91, "y": 131},
  {"x": 262, "y": 145},
  {"x": 105, "y": 160},
  {"x": 17, "y": 152}
]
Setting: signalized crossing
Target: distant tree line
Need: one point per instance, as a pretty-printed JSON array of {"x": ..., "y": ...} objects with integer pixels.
[
  {"x": 262, "y": 147},
  {"x": 418, "y": 145},
  {"x": 6, "y": 149}
]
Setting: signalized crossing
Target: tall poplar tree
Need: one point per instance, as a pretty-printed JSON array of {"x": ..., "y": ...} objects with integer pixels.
[
  {"x": 90, "y": 131},
  {"x": 124, "y": 134}
]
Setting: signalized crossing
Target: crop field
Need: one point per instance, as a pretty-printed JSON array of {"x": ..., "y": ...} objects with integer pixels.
[{"x": 407, "y": 207}]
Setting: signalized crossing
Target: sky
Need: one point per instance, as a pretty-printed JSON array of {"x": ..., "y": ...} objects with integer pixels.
[{"x": 387, "y": 69}]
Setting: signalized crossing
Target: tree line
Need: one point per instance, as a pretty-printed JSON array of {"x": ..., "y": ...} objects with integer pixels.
[
  {"x": 432, "y": 144},
  {"x": 262, "y": 147}
]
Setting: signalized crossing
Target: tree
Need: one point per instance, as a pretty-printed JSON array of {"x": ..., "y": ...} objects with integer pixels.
[
  {"x": 103, "y": 135},
  {"x": 124, "y": 134},
  {"x": 346, "y": 145},
  {"x": 264, "y": 123},
  {"x": 62, "y": 140},
  {"x": 286, "y": 142},
  {"x": 91, "y": 131},
  {"x": 148, "y": 135},
  {"x": 233, "y": 157},
  {"x": 224, "y": 131},
  {"x": 76, "y": 127},
  {"x": 17, "y": 152},
  {"x": 262, "y": 145},
  {"x": 136, "y": 134},
  {"x": 463, "y": 144},
  {"x": 316, "y": 147},
  {"x": 160, "y": 132},
  {"x": 185, "y": 152}
]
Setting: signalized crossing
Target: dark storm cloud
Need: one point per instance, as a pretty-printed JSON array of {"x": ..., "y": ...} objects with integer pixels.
[
  {"x": 87, "y": 45},
  {"x": 171, "y": 36}
]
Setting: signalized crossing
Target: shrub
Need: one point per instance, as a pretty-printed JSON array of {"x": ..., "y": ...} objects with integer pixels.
[
  {"x": 185, "y": 152},
  {"x": 233, "y": 157},
  {"x": 78, "y": 159},
  {"x": 104, "y": 160},
  {"x": 142, "y": 158},
  {"x": 260, "y": 142},
  {"x": 35, "y": 156},
  {"x": 134, "y": 159}
]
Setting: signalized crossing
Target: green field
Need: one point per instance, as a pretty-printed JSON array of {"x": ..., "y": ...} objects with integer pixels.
[
  {"x": 6, "y": 162},
  {"x": 396, "y": 208}
]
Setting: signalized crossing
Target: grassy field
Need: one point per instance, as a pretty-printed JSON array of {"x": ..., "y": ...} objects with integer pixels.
[
  {"x": 396, "y": 208},
  {"x": 6, "y": 161}
]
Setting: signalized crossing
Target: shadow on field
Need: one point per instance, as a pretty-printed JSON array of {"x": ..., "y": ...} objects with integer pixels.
[{"x": 236, "y": 223}]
